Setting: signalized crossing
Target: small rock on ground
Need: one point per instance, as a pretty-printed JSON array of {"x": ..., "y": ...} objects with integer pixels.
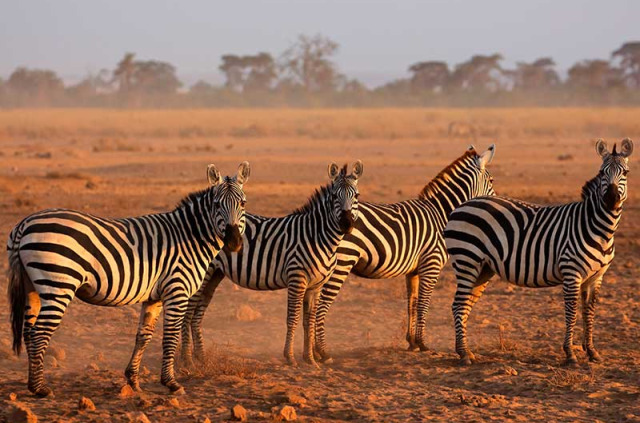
[
  {"x": 18, "y": 412},
  {"x": 239, "y": 413},
  {"x": 284, "y": 413}
]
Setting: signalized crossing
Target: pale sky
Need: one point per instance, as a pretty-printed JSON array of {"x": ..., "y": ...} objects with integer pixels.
[{"x": 378, "y": 39}]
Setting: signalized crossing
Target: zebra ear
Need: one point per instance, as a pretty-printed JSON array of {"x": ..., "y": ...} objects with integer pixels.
[
  {"x": 601, "y": 148},
  {"x": 486, "y": 157},
  {"x": 244, "y": 170},
  {"x": 626, "y": 147},
  {"x": 334, "y": 171},
  {"x": 213, "y": 175},
  {"x": 358, "y": 168}
]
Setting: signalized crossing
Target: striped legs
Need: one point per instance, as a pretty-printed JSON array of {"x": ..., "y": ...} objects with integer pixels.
[
  {"x": 309, "y": 323},
  {"x": 192, "y": 323},
  {"x": 148, "y": 318},
  {"x": 429, "y": 275},
  {"x": 43, "y": 314},
  {"x": 472, "y": 281},
  {"x": 174, "y": 309},
  {"x": 296, "y": 290},
  {"x": 328, "y": 295},
  {"x": 589, "y": 300},
  {"x": 570, "y": 290},
  {"x": 412, "y": 281}
]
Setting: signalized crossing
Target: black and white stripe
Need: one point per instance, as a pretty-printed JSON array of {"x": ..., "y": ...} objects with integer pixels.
[
  {"x": 296, "y": 252},
  {"x": 534, "y": 246},
  {"x": 405, "y": 238},
  {"x": 158, "y": 260}
]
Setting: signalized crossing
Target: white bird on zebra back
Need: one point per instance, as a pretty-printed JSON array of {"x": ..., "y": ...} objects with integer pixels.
[
  {"x": 295, "y": 252},
  {"x": 540, "y": 246},
  {"x": 158, "y": 260}
]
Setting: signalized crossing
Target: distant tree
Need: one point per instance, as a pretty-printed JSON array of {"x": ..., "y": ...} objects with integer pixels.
[
  {"x": 90, "y": 87},
  {"x": 537, "y": 75},
  {"x": 594, "y": 75},
  {"x": 629, "y": 55},
  {"x": 429, "y": 76},
  {"x": 249, "y": 73},
  {"x": 307, "y": 62},
  {"x": 202, "y": 88},
  {"x": 124, "y": 71},
  {"x": 154, "y": 77},
  {"x": 478, "y": 73},
  {"x": 34, "y": 86}
]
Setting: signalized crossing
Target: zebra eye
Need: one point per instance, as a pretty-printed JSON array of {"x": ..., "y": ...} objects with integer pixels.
[
  {"x": 357, "y": 195},
  {"x": 625, "y": 172},
  {"x": 243, "y": 202}
]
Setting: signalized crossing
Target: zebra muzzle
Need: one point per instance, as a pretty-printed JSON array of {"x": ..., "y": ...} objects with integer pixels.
[
  {"x": 232, "y": 238},
  {"x": 612, "y": 197},
  {"x": 346, "y": 221}
]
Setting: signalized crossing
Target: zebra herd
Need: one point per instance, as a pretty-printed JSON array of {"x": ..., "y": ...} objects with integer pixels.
[{"x": 174, "y": 261}]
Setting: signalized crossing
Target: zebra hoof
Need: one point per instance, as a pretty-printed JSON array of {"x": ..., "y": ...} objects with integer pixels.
[
  {"x": 595, "y": 357},
  {"x": 570, "y": 362},
  {"x": 423, "y": 347},
  {"x": 326, "y": 359},
  {"x": 465, "y": 361},
  {"x": 291, "y": 361},
  {"x": 43, "y": 392},
  {"x": 177, "y": 391},
  {"x": 413, "y": 347}
]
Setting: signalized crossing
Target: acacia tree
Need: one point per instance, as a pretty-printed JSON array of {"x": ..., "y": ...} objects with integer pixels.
[
  {"x": 123, "y": 73},
  {"x": 629, "y": 55},
  {"x": 594, "y": 75},
  {"x": 539, "y": 74},
  {"x": 34, "y": 86},
  {"x": 479, "y": 73},
  {"x": 307, "y": 63},
  {"x": 429, "y": 76},
  {"x": 249, "y": 73}
]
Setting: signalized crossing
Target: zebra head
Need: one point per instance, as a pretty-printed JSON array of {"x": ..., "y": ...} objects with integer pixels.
[
  {"x": 228, "y": 205},
  {"x": 481, "y": 180},
  {"x": 344, "y": 194},
  {"x": 613, "y": 172}
]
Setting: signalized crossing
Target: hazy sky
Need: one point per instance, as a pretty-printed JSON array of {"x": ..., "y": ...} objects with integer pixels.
[{"x": 378, "y": 39}]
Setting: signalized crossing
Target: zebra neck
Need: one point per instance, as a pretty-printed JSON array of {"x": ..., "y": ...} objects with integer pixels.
[
  {"x": 444, "y": 197},
  {"x": 324, "y": 226},
  {"x": 601, "y": 222},
  {"x": 194, "y": 227}
]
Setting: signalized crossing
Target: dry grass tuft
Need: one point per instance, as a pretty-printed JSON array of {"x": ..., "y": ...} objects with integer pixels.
[
  {"x": 565, "y": 378},
  {"x": 504, "y": 342},
  {"x": 219, "y": 362}
]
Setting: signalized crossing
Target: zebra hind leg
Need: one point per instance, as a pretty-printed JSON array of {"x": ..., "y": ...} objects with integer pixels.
[
  {"x": 148, "y": 318},
  {"x": 412, "y": 282},
  {"x": 589, "y": 300},
  {"x": 296, "y": 289},
  {"x": 472, "y": 281},
  {"x": 309, "y": 323}
]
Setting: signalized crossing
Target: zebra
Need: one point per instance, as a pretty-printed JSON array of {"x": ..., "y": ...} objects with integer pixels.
[
  {"x": 540, "y": 246},
  {"x": 405, "y": 238},
  {"x": 296, "y": 252},
  {"x": 158, "y": 260}
]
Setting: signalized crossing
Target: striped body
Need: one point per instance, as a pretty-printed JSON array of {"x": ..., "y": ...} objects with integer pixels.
[
  {"x": 158, "y": 260},
  {"x": 405, "y": 238},
  {"x": 296, "y": 252},
  {"x": 534, "y": 246}
]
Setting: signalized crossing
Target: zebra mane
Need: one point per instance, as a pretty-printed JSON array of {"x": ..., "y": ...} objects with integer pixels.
[
  {"x": 429, "y": 188},
  {"x": 316, "y": 198},
  {"x": 591, "y": 186}
]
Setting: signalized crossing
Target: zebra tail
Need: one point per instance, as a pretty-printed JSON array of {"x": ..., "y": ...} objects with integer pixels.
[{"x": 18, "y": 278}]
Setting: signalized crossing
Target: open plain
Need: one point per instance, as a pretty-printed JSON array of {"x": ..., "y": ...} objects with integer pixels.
[{"x": 130, "y": 162}]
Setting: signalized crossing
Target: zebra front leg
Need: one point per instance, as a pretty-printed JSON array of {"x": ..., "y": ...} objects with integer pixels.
[
  {"x": 589, "y": 300},
  {"x": 309, "y": 323},
  {"x": 570, "y": 290},
  {"x": 328, "y": 295},
  {"x": 205, "y": 294},
  {"x": 412, "y": 282},
  {"x": 428, "y": 278},
  {"x": 148, "y": 317},
  {"x": 42, "y": 318},
  {"x": 295, "y": 296},
  {"x": 174, "y": 309}
]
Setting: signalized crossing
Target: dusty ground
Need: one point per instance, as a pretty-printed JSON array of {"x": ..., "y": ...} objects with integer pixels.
[{"x": 517, "y": 333}]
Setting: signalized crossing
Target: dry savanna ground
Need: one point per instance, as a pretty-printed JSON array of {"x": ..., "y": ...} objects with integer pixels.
[{"x": 124, "y": 163}]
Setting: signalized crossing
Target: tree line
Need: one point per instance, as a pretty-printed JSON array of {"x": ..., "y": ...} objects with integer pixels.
[{"x": 306, "y": 75}]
